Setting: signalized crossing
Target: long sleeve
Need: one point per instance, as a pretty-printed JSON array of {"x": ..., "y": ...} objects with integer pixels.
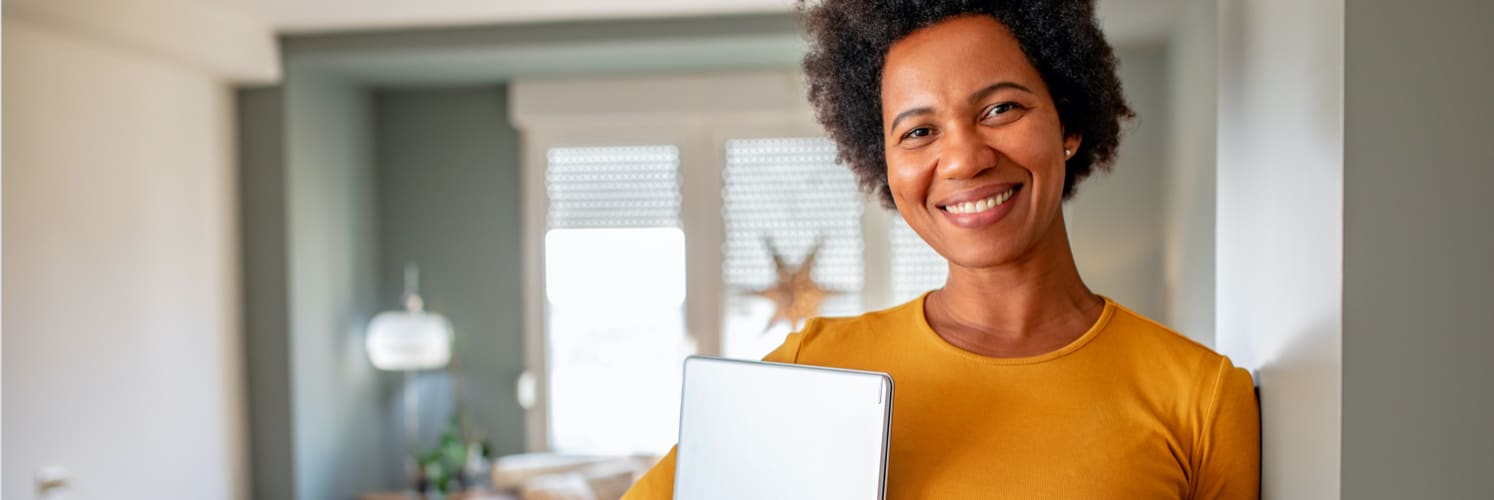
[{"x": 1230, "y": 451}]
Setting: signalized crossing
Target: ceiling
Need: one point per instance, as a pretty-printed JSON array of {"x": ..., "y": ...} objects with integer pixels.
[
  {"x": 1126, "y": 21},
  {"x": 302, "y": 16},
  {"x": 453, "y": 42}
]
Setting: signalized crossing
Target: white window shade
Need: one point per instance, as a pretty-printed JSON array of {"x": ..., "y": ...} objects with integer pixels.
[
  {"x": 916, "y": 268},
  {"x": 790, "y": 192},
  {"x": 630, "y": 186},
  {"x": 615, "y": 281}
]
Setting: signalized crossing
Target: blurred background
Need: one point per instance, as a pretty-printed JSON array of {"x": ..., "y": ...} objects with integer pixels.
[{"x": 547, "y": 205}]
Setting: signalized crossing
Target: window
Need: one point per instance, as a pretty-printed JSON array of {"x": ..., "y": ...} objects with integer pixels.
[
  {"x": 788, "y": 193},
  {"x": 625, "y": 225},
  {"x": 615, "y": 291},
  {"x": 916, "y": 268}
]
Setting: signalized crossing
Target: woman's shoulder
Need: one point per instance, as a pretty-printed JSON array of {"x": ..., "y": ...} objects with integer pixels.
[
  {"x": 1201, "y": 394},
  {"x": 898, "y": 317},
  {"x": 1167, "y": 353},
  {"x": 1136, "y": 328},
  {"x": 847, "y": 334}
]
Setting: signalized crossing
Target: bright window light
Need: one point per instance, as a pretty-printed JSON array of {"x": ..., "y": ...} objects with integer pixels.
[{"x": 615, "y": 290}]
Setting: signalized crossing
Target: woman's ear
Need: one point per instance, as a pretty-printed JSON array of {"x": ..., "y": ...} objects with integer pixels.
[{"x": 1071, "y": 144}]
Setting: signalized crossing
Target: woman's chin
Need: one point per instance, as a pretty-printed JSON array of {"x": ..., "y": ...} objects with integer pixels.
[{"x": 982, "y": 256}]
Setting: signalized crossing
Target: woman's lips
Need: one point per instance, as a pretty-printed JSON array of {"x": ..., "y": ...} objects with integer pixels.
[{"x": 984, "y": 211}]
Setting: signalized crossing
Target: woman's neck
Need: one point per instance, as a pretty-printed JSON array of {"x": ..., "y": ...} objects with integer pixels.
[{"x": 1027, "y": 307}]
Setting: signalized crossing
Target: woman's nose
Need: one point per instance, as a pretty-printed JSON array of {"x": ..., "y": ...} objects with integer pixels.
[{"x": 965, "y": 154}]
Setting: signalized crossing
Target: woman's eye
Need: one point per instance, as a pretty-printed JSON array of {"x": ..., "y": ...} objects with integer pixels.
[
  {"x": 918, "y": 132},
  {"x": 1000, "y": 109}
]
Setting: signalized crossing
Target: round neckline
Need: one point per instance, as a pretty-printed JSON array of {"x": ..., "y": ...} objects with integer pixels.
[{"x": 1094, "y": 330}]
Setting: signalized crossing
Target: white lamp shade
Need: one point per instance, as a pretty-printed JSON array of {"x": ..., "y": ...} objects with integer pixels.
[{"x": 406, "y": 340}]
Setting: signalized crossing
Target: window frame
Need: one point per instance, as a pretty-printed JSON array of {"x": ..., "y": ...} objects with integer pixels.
[{"x": 688, "y": 112}]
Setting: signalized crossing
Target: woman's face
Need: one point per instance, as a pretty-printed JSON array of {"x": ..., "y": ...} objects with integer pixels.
[{"x": 975, "y": 150}]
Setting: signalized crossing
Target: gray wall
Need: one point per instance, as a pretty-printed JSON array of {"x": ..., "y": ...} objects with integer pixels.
[
  {"x": 334, "y": 276},
  {"x": 1192, "y": 69},
  {"x": 1116, "y": 219},
  {"x": 267, "y": 334},
  {"x": 449, "y": 201},
  {"x": 1280, "y": 229},
  {"x": 1418, "y": 250},
  {"x": 312, "y": 283}
]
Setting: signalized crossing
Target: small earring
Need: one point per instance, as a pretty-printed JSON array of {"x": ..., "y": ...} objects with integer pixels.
[{"x": 1068, "y": 152}]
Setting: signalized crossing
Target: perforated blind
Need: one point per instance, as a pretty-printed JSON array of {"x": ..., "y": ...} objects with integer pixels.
[
  {"x": 791, "y": 192},
  {"x": 916, "y": 268},
  {"x": 615, "y": 289},
  {"x": 628, "y": 186}
]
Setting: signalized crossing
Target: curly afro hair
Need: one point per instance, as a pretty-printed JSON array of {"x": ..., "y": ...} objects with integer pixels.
[{"x": 849, "y": 40}]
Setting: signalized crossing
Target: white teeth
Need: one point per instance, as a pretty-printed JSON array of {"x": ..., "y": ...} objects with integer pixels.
[{"x": 971, "y": 207}]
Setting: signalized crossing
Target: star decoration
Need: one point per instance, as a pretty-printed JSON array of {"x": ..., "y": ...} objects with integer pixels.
[{"x": 795, "y": 295}]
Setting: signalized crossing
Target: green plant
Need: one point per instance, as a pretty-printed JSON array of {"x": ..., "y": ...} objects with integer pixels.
[
  {"x": 445, "y": 468},
  {"x": 441, "y": 467}
]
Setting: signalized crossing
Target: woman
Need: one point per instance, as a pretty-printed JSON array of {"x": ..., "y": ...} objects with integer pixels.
[{"x": 976, "y": 119}]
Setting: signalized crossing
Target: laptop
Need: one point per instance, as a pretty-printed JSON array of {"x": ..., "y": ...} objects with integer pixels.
[{"x": 756, "y": 430}]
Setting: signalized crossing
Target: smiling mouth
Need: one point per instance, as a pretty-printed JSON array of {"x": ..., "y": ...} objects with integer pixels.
[{"x": 978, "y": 206}]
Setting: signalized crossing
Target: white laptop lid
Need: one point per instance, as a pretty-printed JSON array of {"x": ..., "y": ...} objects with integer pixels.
[{"x": 754, "y": 430}]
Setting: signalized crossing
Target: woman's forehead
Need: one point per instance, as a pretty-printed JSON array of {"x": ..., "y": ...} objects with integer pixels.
[{"x": 953, "y": 58}]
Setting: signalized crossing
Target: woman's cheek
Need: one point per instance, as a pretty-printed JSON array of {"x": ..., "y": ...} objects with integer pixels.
[{"x": 904, "y": 178}]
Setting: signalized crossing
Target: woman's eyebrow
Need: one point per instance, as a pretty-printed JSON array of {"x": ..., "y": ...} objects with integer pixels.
[
  {"x": 978, "y": 96},
  {"x": 908, "y": 114},
  {"x": 982, "y": 94}
]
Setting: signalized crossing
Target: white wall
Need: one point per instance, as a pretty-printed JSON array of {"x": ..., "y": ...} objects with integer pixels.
[
  {"x": 1116, "y": 220},
  {"x": 122, "y": 359},
  {"x": 1280, "y": 229},
  {"x": 1192, "y": 70},
  {"x": 1418, "y": 250}
]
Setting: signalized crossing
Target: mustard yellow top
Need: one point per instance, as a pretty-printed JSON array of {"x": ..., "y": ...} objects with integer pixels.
[{"x": 1129, "y": 410}]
